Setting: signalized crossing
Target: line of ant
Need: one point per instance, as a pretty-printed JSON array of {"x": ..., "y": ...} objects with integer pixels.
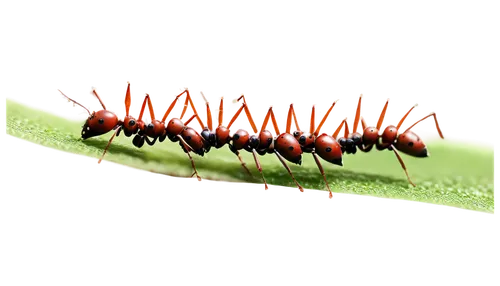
[{"x": 286, "y": 146}]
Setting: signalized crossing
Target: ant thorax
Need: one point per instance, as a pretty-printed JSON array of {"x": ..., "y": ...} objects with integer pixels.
[{"x": 306, "y": 140}]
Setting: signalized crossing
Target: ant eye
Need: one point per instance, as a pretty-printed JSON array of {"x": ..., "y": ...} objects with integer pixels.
[
  {"x": 150, "y": 126},
  {"x": 296, "y": 133},
  {"x": 131, "y": 123},
  {"x": 302, "y": 139},
  {"x": 101, "y": 121}
]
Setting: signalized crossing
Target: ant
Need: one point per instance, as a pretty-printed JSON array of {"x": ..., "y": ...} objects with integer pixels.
[
  {"x": 407, "y": 142},
  {"x": 323, "y": 146},
  {"x": 175, "y": 129},
  {"x": 103, "y": 121},
  {"x": 270, "y": 137}
]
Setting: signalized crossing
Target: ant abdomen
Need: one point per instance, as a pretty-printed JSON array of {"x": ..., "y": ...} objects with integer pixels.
[
  {"x": 194, "y": 140},
  {"x": 329, "y": 149},
  {"x": 289, "y": 148},
  {"x": 411, "y": 144}
]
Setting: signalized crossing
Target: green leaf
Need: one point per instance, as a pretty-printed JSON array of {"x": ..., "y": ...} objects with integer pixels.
[{"x": 455, "y": 175}]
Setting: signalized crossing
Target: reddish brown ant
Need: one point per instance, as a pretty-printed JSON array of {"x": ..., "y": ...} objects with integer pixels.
[
  {"x": 407, "y": 142},
  {"x": 315, "y": 140},
  {"x": 177, "y": 128},
  {"x": 103, "y": 121},
  {"x": 260, "y": 141}
]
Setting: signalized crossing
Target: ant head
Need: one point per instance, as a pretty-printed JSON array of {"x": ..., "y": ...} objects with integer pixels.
[
  {"x": 409, "y": 143},
  {"x": 370, "y": 135},
  {"x": 175, "y": 127},
  {"x": 265, "y": 139},
  {"x": 289, "y": 148},
  {"x": 98, "y": 123},
  {"x": 130, "y": 125}
]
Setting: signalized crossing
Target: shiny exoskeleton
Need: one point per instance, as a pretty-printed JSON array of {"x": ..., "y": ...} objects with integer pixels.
[{"x": 407, "y": 142}]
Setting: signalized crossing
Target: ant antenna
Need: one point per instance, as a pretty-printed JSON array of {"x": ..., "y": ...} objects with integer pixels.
[
  {"x": 94, "y": 92},
  {"x": 203, "y": 96},
  {"x": 74, "y": 100}
]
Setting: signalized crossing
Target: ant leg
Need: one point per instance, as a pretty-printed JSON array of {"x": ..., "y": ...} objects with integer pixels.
[
  {"x": 337, "y": 130},
  {"x": 288, "y": 169},
  {"x": 220, "y": 111},
  {"x": 96, "y": 94},
  {"x": 170, "y": 108},
  {"x": 403, "y": 119},
  {"x": 326, "y": 116},
  {"x": 247, "y": 111},
  {"x": 109, "y": 143},
  {"x": 150, "y": 143},
  {"x": 150, "y": 106},
  {"x": 296, "y": 120},
  {"x": 291, "y": 112},
  {"x": 383, "y": 113},
  {"x": 364, "y": 125},
  {"x": 250, "y": 118},
  {"x": 288, "y": 118},
  {"x": 402, "y": 164},
  {"x": 257, "y": 163},
  {"x": 208, "y": 109},
  {"x": 340, "y": 128},
  {"x": 190, "y": 120},
  {"x": 243, "y": 164},
  {"x": 312, "y": 118},
  {"x": 436, "y": 123},
  {"x": 194, "y": 110},
  {"x": 270, "y": 113},
  {"x": 346, "y": 130},
  {"x": 316, "y": 158},
  {"x": 189, "y": 149},
  {"x": 237, "y": 113},
  {"x": 356, "y": 114},
  {"x": 277, "y": 129},
  {"x": 128, "y": 98}
]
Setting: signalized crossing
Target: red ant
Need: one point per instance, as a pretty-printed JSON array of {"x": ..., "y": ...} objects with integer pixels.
[
  {"x": 103, "y": 121},
  {"x": 175, "y": 129},
  {"x": 271, "y": 138},
  {"x": 407, "y": 142}
]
